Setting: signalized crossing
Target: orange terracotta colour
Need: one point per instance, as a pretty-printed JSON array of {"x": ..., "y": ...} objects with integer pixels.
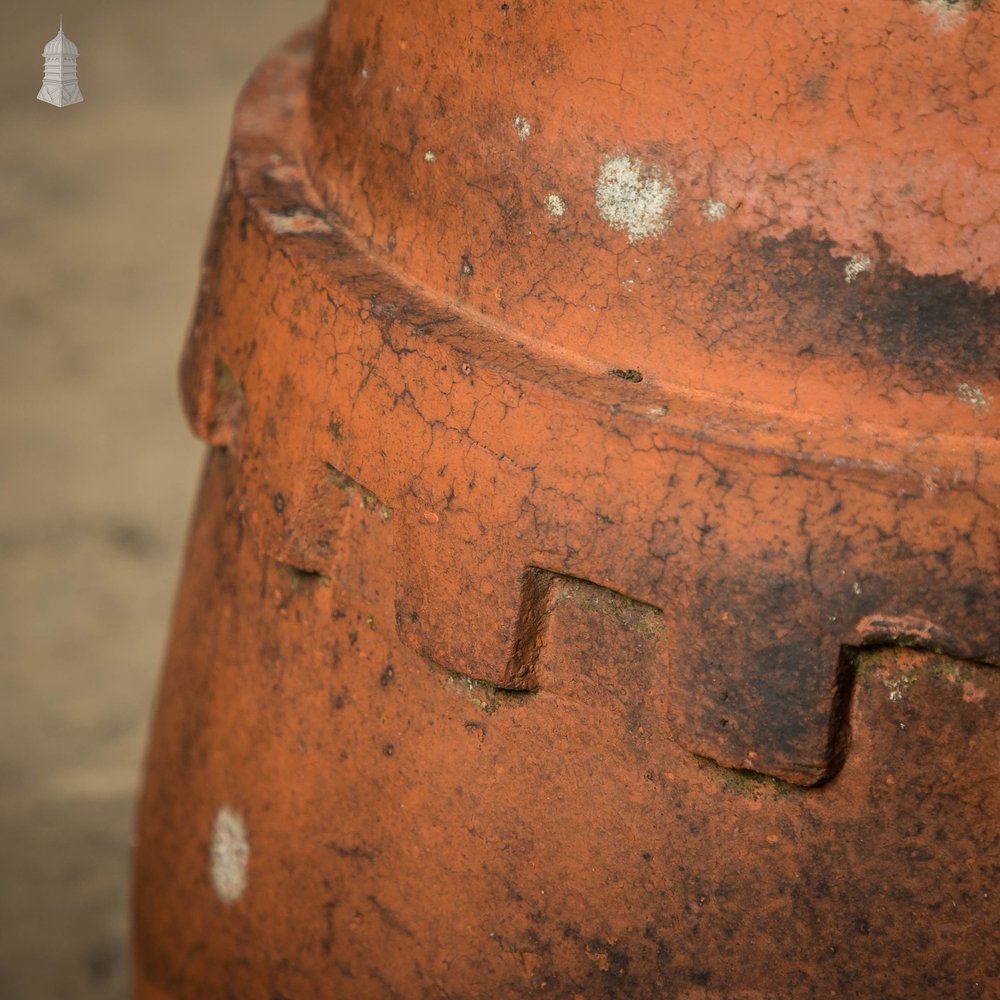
[{"x": 593, "y": 587}]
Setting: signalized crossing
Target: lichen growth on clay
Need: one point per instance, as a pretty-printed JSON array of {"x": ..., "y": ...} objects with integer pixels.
[
  {"x": 948, "y": 13},
  {"x": 973, "y": 397},
  {"x": 630, "y": 615},
  {"x": 856, "y": 266},
  {"x": 301, "y": 221},
  {"x": 713, "y": 210},
  {"x": 229, "y": 856},
  {"x": 367, "y": 499},
  {"x": 484, "y": 696},
  {"x": 522, "y": 127},
  {"x": 635, "y": 197},
  {"x": 949, "y": 671},
  {"x": 555, "y": 206},
  {"x": 749, "y": 784},
  {"x": 898, "y": 685}
]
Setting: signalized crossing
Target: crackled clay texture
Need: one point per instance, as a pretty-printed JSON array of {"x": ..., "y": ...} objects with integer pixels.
[{"x": 593, "y": 588}]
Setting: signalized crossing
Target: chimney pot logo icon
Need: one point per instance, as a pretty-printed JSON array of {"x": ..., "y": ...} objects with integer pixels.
[{"x": 60, "y": 86}]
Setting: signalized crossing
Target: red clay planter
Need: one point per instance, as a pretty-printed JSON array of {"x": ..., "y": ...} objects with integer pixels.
[{"x": 593, "y": 587}]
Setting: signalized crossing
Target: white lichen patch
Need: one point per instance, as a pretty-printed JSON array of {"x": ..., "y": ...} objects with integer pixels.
[
  {"x": 713, "y": 210},
  {"x": 947, "y": 14},
  {"x": 856, "y": 266},
  {"x": 899, "y": 685},
  {"x": 555, "y": 206},
  {"x": 301, "y": 221},
  {"x": 429, "y": 156},
  {"x": 285, "y": 173},
  {"x": 522, "y": 127},
  {"x": 635, "y": 197},
  {"x": 229, "y": 855},
  {"x": 973, "y": 397}
]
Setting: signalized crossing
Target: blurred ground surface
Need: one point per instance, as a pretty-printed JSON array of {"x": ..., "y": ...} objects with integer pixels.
[{"x": 103, "y": 211}]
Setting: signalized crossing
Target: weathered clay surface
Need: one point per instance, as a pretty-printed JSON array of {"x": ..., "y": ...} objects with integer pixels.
[
  {"x": 768, "y": 538},
  {"x": 872, "y": 125},
  {"x": 413, "y": 833},
  {"x": 523, "y": 636}
]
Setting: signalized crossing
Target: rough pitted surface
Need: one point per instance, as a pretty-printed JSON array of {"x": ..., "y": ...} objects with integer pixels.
[
  {"x": 565, "y": 657},
  {"x": 418, "y": 835}
]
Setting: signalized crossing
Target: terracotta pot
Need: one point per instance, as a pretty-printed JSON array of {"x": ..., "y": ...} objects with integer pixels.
[{"x": 593, "y": 587}]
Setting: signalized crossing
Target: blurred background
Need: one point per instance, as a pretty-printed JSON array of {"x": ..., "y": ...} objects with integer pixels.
[{"x": 104, "y": 207}]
